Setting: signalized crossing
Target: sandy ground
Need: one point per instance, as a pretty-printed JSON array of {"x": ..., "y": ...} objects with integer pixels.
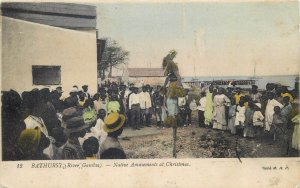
[{"x": 197, "y": 142}]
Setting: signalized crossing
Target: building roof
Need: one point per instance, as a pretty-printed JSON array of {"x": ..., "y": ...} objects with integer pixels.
[
  {"x": 65, "y": 15},
  {"x": 146, "y": 72}
]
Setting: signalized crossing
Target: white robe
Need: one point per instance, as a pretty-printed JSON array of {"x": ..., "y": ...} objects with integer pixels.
[
  {"x": 258, "y": 119},
  {"x": 240, "y": 115},
  {"x": 219, "y": 116},
  {"x": 98, "y": 132},
  {"x": 296, "y": 133},
  {"x": 269, "y": 112},
  {"x": 145, "y": 100}
]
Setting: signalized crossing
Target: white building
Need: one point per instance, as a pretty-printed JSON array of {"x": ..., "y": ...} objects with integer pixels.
[
  {"x": 151, "y": 76},
  {"x": 48, "y": 44}
]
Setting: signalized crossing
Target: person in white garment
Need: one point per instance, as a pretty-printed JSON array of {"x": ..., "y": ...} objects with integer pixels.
[
  {"x": 219, "y": 118},
  {"x": 240, "y": 117},
  {"x": 181, "y": 107},
  {"x": 145, "y": 103},
  {"x": 96, "y": 131},
  {"x": 201, "y": 109},
  {"x": 135, "y": 108},
  {"x": 270, "y": 110}
]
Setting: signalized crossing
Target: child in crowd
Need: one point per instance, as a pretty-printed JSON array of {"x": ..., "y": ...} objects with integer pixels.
[
  {"x": 240, "y": 117},
  {"x": 201, "y": 109},
  {"x": 277, "y": 127},
  {"x": 182, "y": 110},
  {"x": 258, "y": 118},
  {"x": 90, "y": 147},
  {"x": 248, "y": 128},
  {"x": 97, "y": 130},
  {"x": 269, "y": 112},
  {"x": 231, "y": 117}
]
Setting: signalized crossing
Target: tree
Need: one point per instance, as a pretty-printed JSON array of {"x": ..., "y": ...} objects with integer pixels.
[{"x": 112, "y": 57}]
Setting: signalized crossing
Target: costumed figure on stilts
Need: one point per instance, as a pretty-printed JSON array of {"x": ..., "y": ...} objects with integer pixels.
[{"x": 174, "y": 90}]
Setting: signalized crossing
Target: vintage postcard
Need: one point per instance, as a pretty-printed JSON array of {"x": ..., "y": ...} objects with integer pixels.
[{"x": 150, "y": 94}]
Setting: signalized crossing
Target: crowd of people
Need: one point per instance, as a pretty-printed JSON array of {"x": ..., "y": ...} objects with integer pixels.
[
  {"x": 43, "y": 124},
  {"x": 251, "y": 114},
  {"x": 247, "y": 114}
]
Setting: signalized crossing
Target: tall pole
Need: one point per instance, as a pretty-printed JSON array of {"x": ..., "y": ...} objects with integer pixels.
[{"x": 174, "y": 140}]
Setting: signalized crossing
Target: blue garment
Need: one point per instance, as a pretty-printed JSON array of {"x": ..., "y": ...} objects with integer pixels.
[{"x": 172, "y": 106}]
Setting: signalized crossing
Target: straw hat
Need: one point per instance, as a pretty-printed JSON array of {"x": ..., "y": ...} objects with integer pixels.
[
  {"x": 29, "y": 140},
  {"x": 74, "y": 120},
  {"x": 113, "y": 122}
]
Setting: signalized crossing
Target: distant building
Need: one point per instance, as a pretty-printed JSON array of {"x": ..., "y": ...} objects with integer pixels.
[
  {"x": 48, "y": 44},
  {"x": 222, "y": 83},
  {"x": 152, "y": 76}
]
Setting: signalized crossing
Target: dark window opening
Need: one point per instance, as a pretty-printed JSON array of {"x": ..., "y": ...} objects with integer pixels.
[{"x": 46, "y": 75}]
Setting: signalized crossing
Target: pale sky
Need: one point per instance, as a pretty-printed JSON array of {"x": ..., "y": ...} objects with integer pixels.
[{"x": 212, "y": 39}]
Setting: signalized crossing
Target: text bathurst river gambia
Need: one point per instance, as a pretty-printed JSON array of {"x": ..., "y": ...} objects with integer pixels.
[{"x": 105, "y": 165}]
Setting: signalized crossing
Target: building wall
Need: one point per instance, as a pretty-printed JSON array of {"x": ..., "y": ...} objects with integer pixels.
[
  {"x": 25, "y": 44},
  {"x": 148, "y": 80}
]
